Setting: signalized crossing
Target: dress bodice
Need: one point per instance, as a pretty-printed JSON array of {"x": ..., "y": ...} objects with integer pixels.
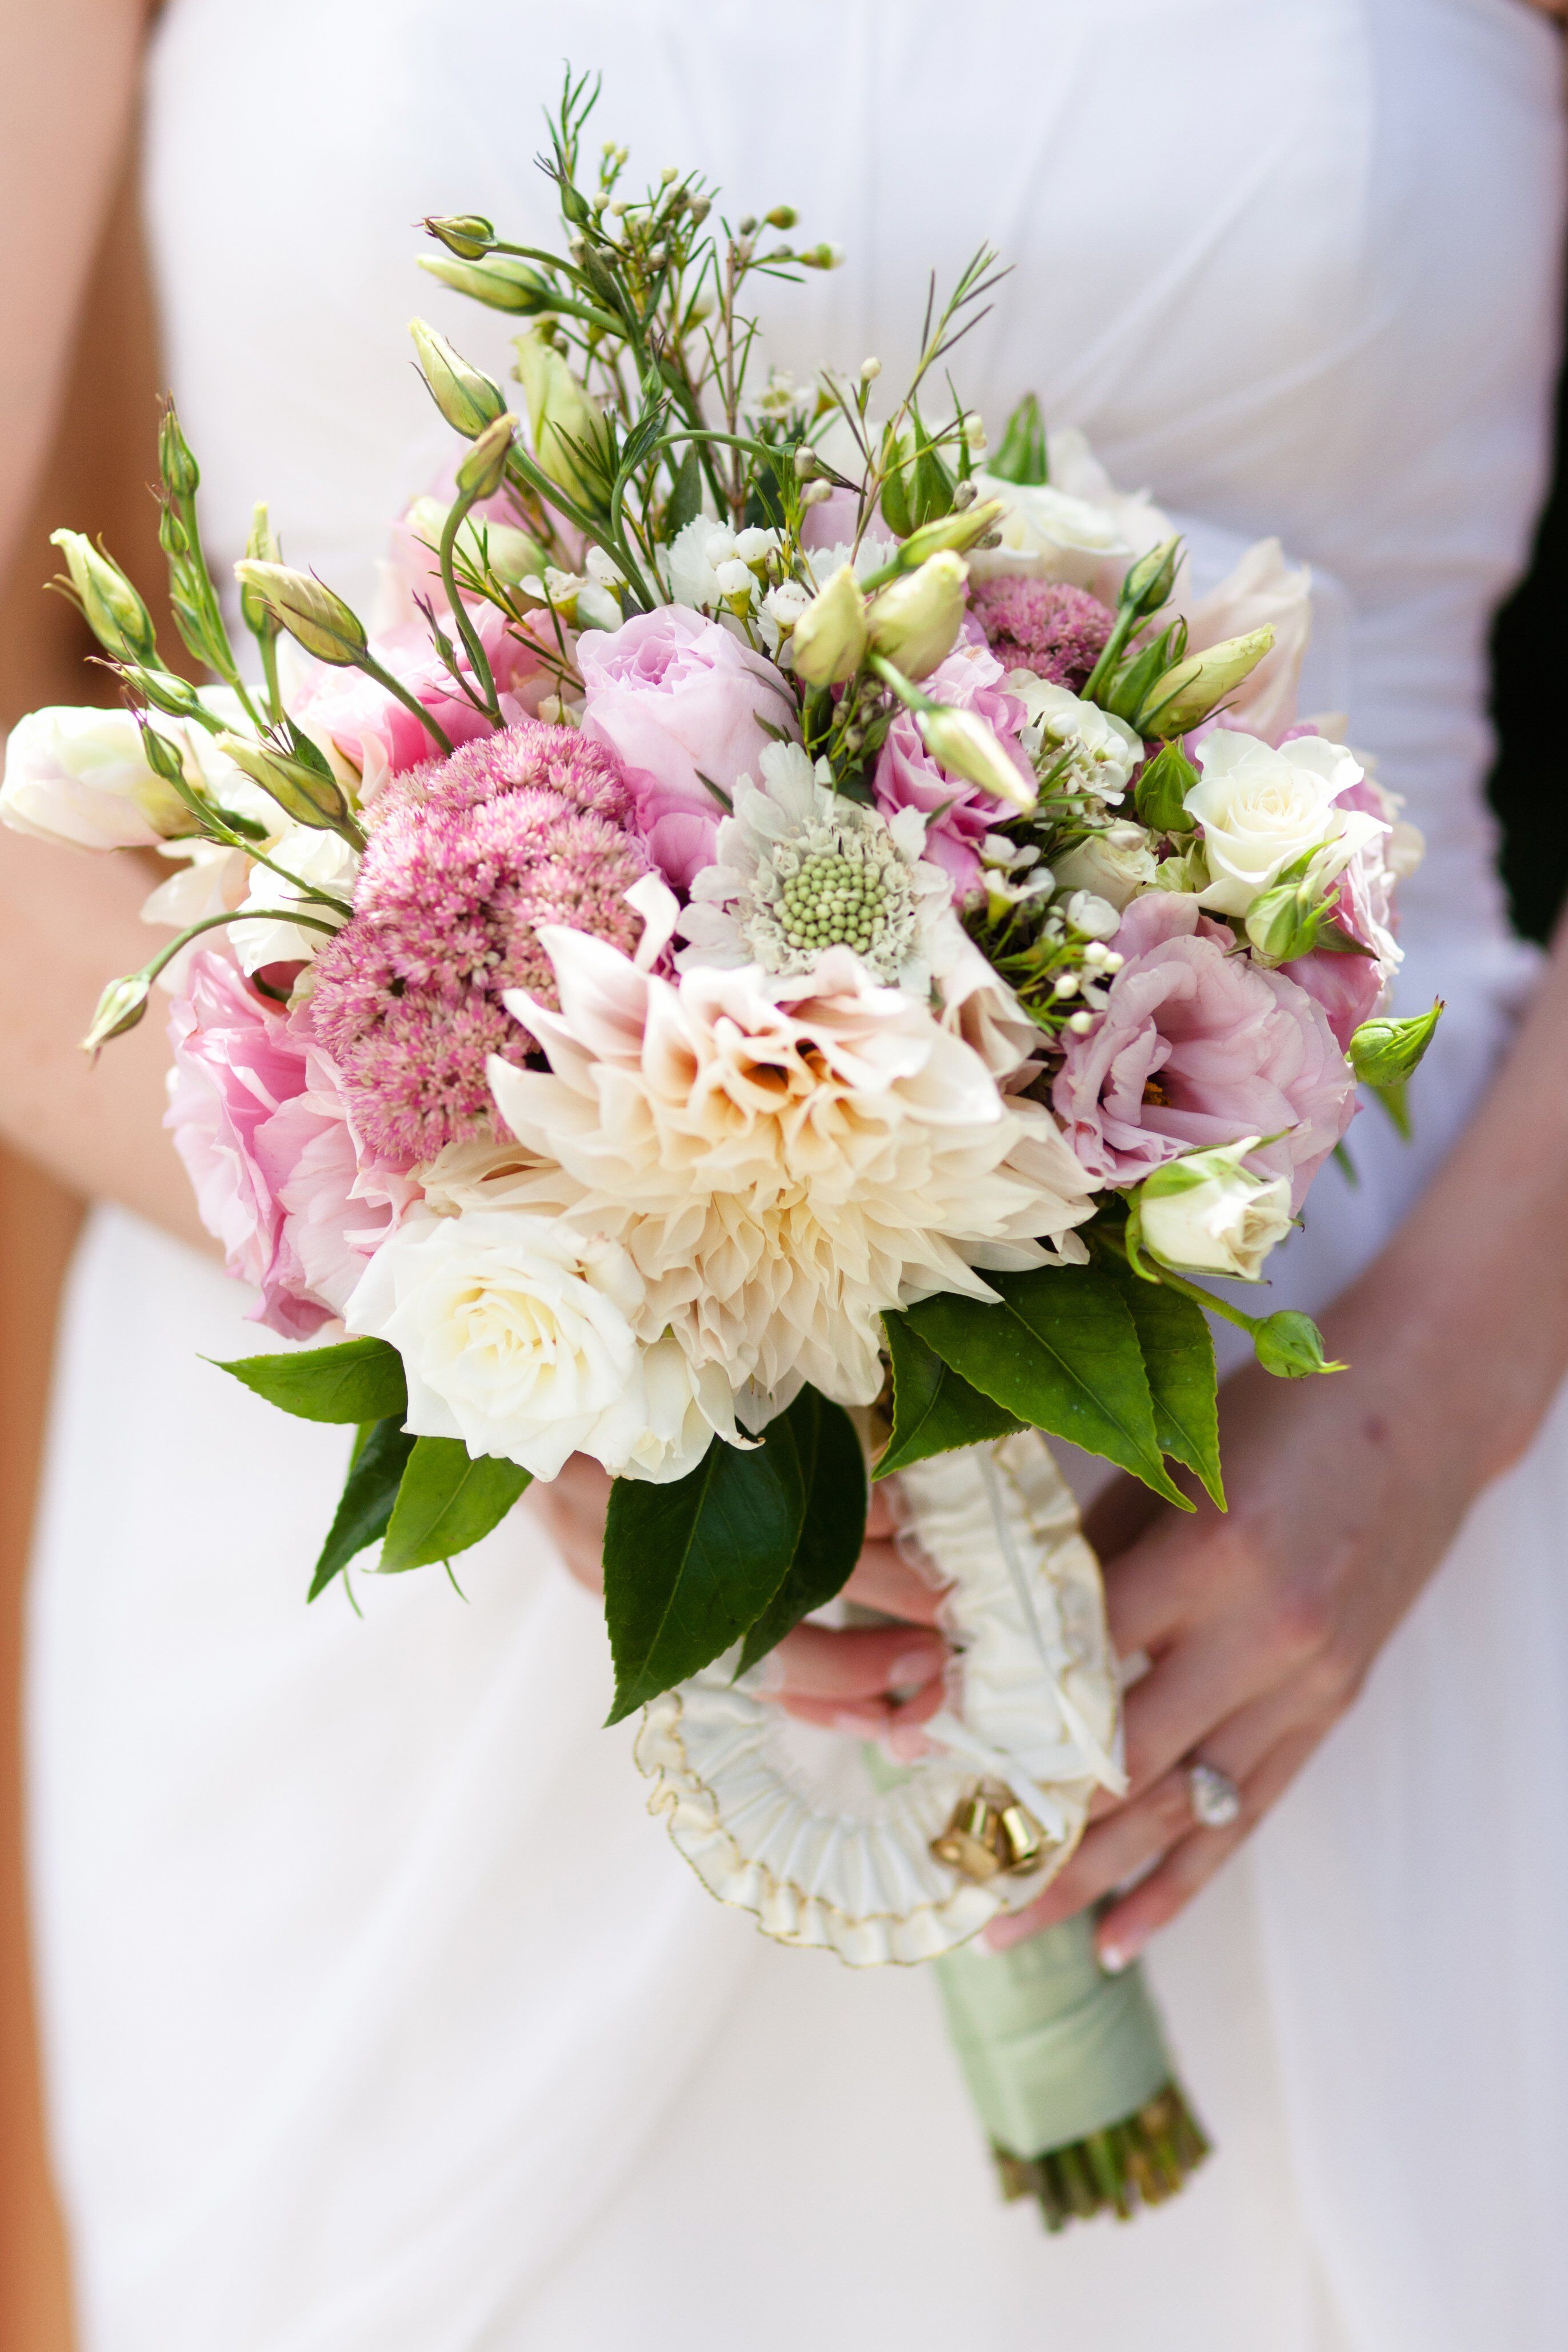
[{"x": 1240, "y": 260}]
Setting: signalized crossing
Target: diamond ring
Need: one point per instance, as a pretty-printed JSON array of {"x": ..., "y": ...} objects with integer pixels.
[{"x": 1214, "y": 1798}]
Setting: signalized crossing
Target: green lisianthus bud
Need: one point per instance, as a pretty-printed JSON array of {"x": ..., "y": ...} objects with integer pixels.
[
  {"x": 497, "y": 280},
  {"x": 1383, "y": 1052},
  {"x": 961, "y": 742},
  {"x": 466, "y": 398},
  {"x": 1147, "y": 584},
  {"x": 915, "y": 619},
  {"x": 963, "y": 529},
  {"x": 261, "y": 547},
  {"x": 829, "y": 643},
  {"x": 1283, "y": 922},
  {"x": 110, "y": 606},
  {"x": 1184, "y": 697},
  {"x": 319, "y": 621},
  {"x": 483, "y": 470},
  {"x": 468, "y": 235},
  {"x": 312, "y": 798},
  {"x": 182, "y": 475},
  {"x": 1022, "y": 458},
  {"x": 122, "y": 1004},
  {"x": 562, "y": 421},
  {"x": 1291, "y": 1346},
  {"x": 1161, "y": 790}
]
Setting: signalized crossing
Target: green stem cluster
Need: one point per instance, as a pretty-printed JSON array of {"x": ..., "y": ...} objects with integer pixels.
[{"x": 1143, "y": 2160}]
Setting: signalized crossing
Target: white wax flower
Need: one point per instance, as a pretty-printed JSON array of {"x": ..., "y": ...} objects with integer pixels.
[
  {"x": 1205, "y": 1213},
  {"x": 1104, "y": 751},
  {"x": 1261, "y": 809},
  {"x": 80, "y": 777},
  {"x": 708, "y": 563}
]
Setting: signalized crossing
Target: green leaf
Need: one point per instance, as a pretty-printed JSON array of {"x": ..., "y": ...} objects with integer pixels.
[
  {"x": 360, "y": 1380},
  {"x": 685, "y": 496},
  {"x": 1178, "y": 1356},
  {"x": 381, "y": 1452},
  {"x": 1062, "y": 1352},
  {"x": 935, "y": 1409},
  {"x": 832, "y": 1528},
  {"x": 447, "y": 1500},
  {"x": 689, "y": 1566}
]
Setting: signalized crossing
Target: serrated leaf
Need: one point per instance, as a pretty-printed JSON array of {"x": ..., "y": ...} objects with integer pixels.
[
  {"x": 832, "y": 1527},
  {"x": 685, "y": 496},
  {"x": 1178, "y": 1356},
  {"x": 448, "y": 1500},
  {"x": 1060, "y": 1352},
  {"x": 934, "y": 1408},
  {"x": 689, "y": 1566},
  {"x": 364, "y": 1507},
  {"x": 360, "y": 1380}
]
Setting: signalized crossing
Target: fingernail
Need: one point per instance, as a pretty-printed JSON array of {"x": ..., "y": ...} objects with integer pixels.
[
  {"x": 908, "y": 1743},
  {"x": 1001, "y": 1934},
  {"x": 858, "y": 1727},
  {"x": 916, "y": 1668},
  {"x": 1114, "y": 1957}
]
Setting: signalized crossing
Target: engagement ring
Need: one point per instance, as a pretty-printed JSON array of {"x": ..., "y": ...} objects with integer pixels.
[{"x": 1214, "y": 1797}]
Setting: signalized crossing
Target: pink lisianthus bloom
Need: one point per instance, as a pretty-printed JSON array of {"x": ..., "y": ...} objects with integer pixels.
[
  {"x": 680, "y": 699},
  {"x": 1199, "y": 1045},
  {"x": 249, "y": 1107},
  {"x": 345, "y": 710},
  {"x": 1351, "y": 988},
  {"x": 907, "y": 776}
]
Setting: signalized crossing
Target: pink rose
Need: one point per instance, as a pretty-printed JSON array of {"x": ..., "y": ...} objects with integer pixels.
[
  {"x": 680, "y": 699},
  {"x": 258, "y": 1120},
  {"x": 1199, "y": 1045},
  {"x": 378, "y": 733},
  {"x": 908, "y": 777}
]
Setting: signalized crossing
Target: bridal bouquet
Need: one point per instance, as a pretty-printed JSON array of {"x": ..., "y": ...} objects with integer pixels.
[{"x": 794, "y": 946}]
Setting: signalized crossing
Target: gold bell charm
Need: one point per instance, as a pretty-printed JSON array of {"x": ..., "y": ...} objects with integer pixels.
[{"x": 990, "y": 1832}]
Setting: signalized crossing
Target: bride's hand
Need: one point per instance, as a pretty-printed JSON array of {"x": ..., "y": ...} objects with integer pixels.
[{"x": 873, "y": 1681}]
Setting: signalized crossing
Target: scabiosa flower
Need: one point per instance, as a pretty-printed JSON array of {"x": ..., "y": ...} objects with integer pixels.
[
  {"x": 1046, "y": 625},
  {"x": 800, "y": 869},
  {"x": 469, "y": 856}
]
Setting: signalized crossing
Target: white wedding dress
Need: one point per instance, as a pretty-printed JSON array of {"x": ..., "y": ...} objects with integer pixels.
[{"x": 380, "y": 2016}]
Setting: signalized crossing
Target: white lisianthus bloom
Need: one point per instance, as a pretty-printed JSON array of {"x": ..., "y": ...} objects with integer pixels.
[
  {"x": 1104, "y": 752},
  {"x": 323, "y": 860},
  {"x": 1205, "y": 1213},
  {"x": 515, "y": 1338},
  {"x": 782, "y": 1160},
  {"x": 81, "y": 778},
  {"x": 1115, "y": 865},
  {"x": 799, "y": 869},
  {"x": 1261, "y": 809}
]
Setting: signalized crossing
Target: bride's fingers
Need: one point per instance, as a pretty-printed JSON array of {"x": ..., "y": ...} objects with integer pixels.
[
  {"x": 1156, "y": 1901},
  {"x": 876, "y": 1718},
  {"x": 1197, "y": 1685},
  {"x": 884, "y": 1580},
  {"x": 889, "y": 1661}
]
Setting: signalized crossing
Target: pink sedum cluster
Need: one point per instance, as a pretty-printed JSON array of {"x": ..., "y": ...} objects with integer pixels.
[
  {"x": 1046, "y": 626},
  {"x": 468, "y": 859}
]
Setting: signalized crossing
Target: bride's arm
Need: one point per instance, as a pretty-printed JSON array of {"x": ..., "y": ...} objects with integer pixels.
[
  {"x": 68, "y": 921},
  {"x": 1345, "y": 1493}
]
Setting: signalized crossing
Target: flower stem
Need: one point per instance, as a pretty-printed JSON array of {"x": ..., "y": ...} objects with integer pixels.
[{"x": 367, "y": 661}]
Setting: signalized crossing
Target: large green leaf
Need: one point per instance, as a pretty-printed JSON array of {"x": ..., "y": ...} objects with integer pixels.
[
  {"x": 832, "y": 1527},
  {"x": 689, "y": 1566},
  {"x": 935, "y": 1409},
  {"x": 686, "y": 493},
  {"x": 1060, "y": 1352},
  {"x": 447, "y": 1500},
  {"x": 1178, "y": 1356},
  {"x": 368, "y": 1493},
  {"x": 360, "y": 1380}
]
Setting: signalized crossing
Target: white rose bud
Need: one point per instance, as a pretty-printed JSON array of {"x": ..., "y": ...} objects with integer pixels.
[
  {"x": 1205, "y": 1213},
  {"x": 1261, "y": 809},
  {"x": 829, "y": 641},
  {"x": 81, "y": 777},
  {"x": 1114, "y": 866},
  {"x": 914, "y": 621}
]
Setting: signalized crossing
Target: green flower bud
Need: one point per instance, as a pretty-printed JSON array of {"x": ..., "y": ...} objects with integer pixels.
[
  {"x": 1184, "y": 697},
  {"x": 164, "y": 690},
  {"x": 913, "y": 622},
  {"x": 498, "y": 279},
  {"x": 1148, "y": 583},
  {"x": 1283, "y": 922},
  {"x": 182, "y": 475},
  {"x": 1383, "y": 1052},
  {"x": 1022, "y": 458},
  {"x": 1291, "y": 1346},
  {"x": 261, "y": 547},
  {"x": 466, "y": 398},
  {"x": 964, "y": 528},
  {"x": 110, "y": 606},
  {"x": 309, "y": 797},
  {"x": 119, "y": 1008},
  {"x": 895, "y": 492},
  {"x": 1161, "y": 790},
  {"x": 483, "y": 470},
  {"x": 961, "y": 742},
  {"x": 782, "y": 216},
  {"x": 468, "y": 235},
  {"x": 319, "y": 621},
  {"x": 562, "y": 419},
  {"x": 829, "y": 641}
]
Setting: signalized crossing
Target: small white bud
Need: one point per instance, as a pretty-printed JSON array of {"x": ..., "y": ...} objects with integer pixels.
[
  {"x": 1080, "y": 1023},
  {"x": 871, "y": 369}
]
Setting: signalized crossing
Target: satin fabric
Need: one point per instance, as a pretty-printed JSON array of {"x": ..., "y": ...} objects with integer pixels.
[{"x": 379, "y": 2016}]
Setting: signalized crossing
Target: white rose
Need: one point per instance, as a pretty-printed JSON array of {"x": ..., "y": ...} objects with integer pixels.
[
  {"x": 1260, "y": 809},
  {"x": 514, "y": 1335},
  {"x": 1048, "y": 535},
  {"x": 1205, "y": 1213},
  {"x": 324, "y": 860},
  {"x": 80, "y": 777},
  {"x": 1105, "y": 750},
  {"x": 1115, "y": 865}
]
